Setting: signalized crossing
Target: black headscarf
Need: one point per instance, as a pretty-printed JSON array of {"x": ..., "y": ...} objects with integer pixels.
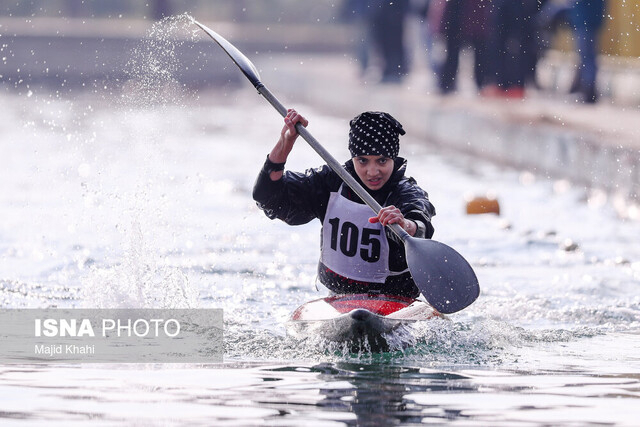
[{"x": 375, "y": 133}]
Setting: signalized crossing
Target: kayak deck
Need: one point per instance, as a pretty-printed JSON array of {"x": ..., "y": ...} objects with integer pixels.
[{"x": 362, "y": 321}]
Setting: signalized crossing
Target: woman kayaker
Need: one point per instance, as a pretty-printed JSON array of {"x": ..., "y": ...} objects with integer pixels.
[{"x": 358, "y": 255}]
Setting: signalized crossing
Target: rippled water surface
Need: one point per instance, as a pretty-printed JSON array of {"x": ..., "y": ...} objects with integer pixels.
[{"x": 110, "y": 203}]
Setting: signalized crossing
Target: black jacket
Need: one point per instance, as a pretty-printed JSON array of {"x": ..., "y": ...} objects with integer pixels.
[{"x": 298, "y": 198}]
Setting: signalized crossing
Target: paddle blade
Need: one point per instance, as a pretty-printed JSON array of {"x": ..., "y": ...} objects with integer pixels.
[
  {"x": 444, "y": 277},
  {"x": 236, "y": 56}
]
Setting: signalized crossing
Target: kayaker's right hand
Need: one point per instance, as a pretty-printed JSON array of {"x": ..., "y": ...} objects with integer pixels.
[
  {"x": 288, "y": 136},
  {"x": 289, "y": 132}
]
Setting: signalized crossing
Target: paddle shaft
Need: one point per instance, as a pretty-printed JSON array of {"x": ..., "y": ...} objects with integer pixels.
[{"x": 331, "y": 161}]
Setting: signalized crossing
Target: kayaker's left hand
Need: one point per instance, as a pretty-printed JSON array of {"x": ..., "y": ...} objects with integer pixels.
[{"x": 392, "y": 215}]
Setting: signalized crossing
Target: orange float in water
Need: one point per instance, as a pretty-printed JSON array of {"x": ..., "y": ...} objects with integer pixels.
[{"x": 483, "y": 205}]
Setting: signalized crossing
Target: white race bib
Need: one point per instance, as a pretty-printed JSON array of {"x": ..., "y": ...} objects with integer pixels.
[{"x": 351, "y": 245}]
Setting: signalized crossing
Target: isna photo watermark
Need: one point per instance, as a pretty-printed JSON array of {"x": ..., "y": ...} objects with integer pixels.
[{"x": 111, "y": 335}]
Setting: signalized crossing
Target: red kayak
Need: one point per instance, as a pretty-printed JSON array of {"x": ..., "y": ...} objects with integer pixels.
[{"x": 363, "y": 321}]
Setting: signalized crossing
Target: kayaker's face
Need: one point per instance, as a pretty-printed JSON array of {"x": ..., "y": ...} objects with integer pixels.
[{"x": 373, "y": 171}]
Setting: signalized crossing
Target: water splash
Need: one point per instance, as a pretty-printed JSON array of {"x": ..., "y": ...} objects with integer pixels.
[
  {"x": 155, "y": 64},
  {"x": 140, "y": 275},
  {"x": 478, "y": 342},
  {"x": 142, "y": 279}
]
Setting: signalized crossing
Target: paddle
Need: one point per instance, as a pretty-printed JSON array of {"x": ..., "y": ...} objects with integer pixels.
[{"x": 443, "y": 276}]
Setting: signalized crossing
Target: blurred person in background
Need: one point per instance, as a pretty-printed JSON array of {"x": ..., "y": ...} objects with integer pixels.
[
  {"x": 356, "y": 12},
  {"x": 460, "y": 23},
  {"x": 586, "y": 17},
  {"x": 434, "y": 48},
  {"x": 512, "y": 46},
  {"x": 379, "y": 30},
  {"x": 538, "y": 44},
  {"x": 387, "y": 21}
]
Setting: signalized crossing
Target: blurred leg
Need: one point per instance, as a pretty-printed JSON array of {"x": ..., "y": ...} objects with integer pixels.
[
  {"x": 588, "y": 68},
  {"x": 453, "y": 43}
]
